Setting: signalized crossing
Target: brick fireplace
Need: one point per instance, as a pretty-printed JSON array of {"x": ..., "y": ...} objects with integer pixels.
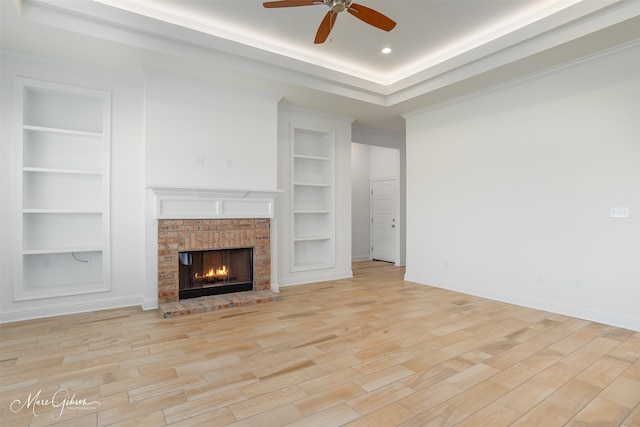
[
  {"x": 179, "y": 235},
  {"x": 204, "y": 220}
]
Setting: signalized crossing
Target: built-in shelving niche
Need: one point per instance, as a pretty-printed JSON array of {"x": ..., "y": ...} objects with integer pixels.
[
  {"x": 62, "y": 234},
  {"x": 313, "y": 199}
]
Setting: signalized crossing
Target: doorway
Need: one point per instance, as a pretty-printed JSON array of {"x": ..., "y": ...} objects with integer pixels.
[{"x": 382, "y": 165}]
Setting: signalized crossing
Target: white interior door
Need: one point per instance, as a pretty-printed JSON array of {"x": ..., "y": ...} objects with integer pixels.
[{"x": 383, "y": 219}]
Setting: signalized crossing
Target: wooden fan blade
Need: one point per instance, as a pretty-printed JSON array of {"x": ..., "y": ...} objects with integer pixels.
[
  {"x": 371, "y": 17},
  {"x": 325, "y": 27},
  {"x": 288, "y": 3}
]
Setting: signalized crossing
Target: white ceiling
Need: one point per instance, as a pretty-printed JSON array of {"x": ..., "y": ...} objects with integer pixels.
[
  {"x": 441, "y": 48},
  {"x": 428, "y": 30}
]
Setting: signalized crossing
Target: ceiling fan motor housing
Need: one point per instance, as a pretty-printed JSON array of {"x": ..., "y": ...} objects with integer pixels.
[{"x": 338, "y": 5}]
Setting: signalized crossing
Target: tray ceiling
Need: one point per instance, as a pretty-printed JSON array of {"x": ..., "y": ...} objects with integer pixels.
[{"x": 440, "y": 48}]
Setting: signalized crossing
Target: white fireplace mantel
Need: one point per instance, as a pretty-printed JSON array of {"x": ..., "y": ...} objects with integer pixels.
[{"x": 199, "y": 203}]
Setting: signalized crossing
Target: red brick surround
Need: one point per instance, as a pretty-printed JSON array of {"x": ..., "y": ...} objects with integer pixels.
[{"x": 177, "y": 235}]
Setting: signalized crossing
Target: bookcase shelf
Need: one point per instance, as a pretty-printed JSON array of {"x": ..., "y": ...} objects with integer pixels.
[
  {"x": 312, "y": 199},
  {"x": 71, "y": 171},
  {"x": 97, "y": 135},
  {"x": 63, "y": 138}
]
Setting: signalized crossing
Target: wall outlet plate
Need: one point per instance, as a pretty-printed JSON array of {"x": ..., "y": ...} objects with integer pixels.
[{"x": 619, "y": 212}]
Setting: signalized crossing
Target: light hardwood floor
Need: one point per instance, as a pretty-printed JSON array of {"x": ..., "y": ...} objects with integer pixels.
[{"x": 370, "y": 351}]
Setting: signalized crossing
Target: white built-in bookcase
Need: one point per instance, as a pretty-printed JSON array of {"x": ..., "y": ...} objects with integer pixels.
[
  {"x": 313, "y": 199},
  {"x": 62, "y": 137}
]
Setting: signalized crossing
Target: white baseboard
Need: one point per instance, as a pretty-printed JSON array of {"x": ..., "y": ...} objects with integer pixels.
[
  {"x": 553, "y": 307},
  {"x": 357, "y": 258},
  {"x": 313, "y": 277},
  {"x": 150, "y": 303},
  {"x": 70, "y": 308}
]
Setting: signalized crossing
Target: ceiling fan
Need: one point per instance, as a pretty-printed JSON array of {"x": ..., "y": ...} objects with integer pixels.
[{"x": 363, "y": 13}]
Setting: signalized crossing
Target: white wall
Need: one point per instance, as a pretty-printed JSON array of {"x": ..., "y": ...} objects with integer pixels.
[
  {"x": 360, "y": 176},
  {"x": 234, "y": 132},
  {"x": 509, "y": 191},
  {"x": 127, "y": 187}
]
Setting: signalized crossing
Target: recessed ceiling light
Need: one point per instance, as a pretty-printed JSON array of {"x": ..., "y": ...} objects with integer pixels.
[{"x": 386, "y": 50}]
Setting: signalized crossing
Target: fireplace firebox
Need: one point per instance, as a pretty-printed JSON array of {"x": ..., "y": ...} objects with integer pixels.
[{"x": 214, "y": 272}]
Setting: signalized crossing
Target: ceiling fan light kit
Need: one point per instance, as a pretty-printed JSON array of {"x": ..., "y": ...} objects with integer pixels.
[
  {"x": 338, "y": 5},
  {"x": 363, "y": 13}
]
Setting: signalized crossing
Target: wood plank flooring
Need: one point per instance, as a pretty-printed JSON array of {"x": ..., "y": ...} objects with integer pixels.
[{"x": 369, "y": 351}]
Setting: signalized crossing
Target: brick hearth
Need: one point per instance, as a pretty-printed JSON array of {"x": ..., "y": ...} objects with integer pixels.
[{"x": 178, "y": 235}]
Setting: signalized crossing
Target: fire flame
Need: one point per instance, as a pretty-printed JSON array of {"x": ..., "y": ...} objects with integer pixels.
[{"x": 220, "y": 272}]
